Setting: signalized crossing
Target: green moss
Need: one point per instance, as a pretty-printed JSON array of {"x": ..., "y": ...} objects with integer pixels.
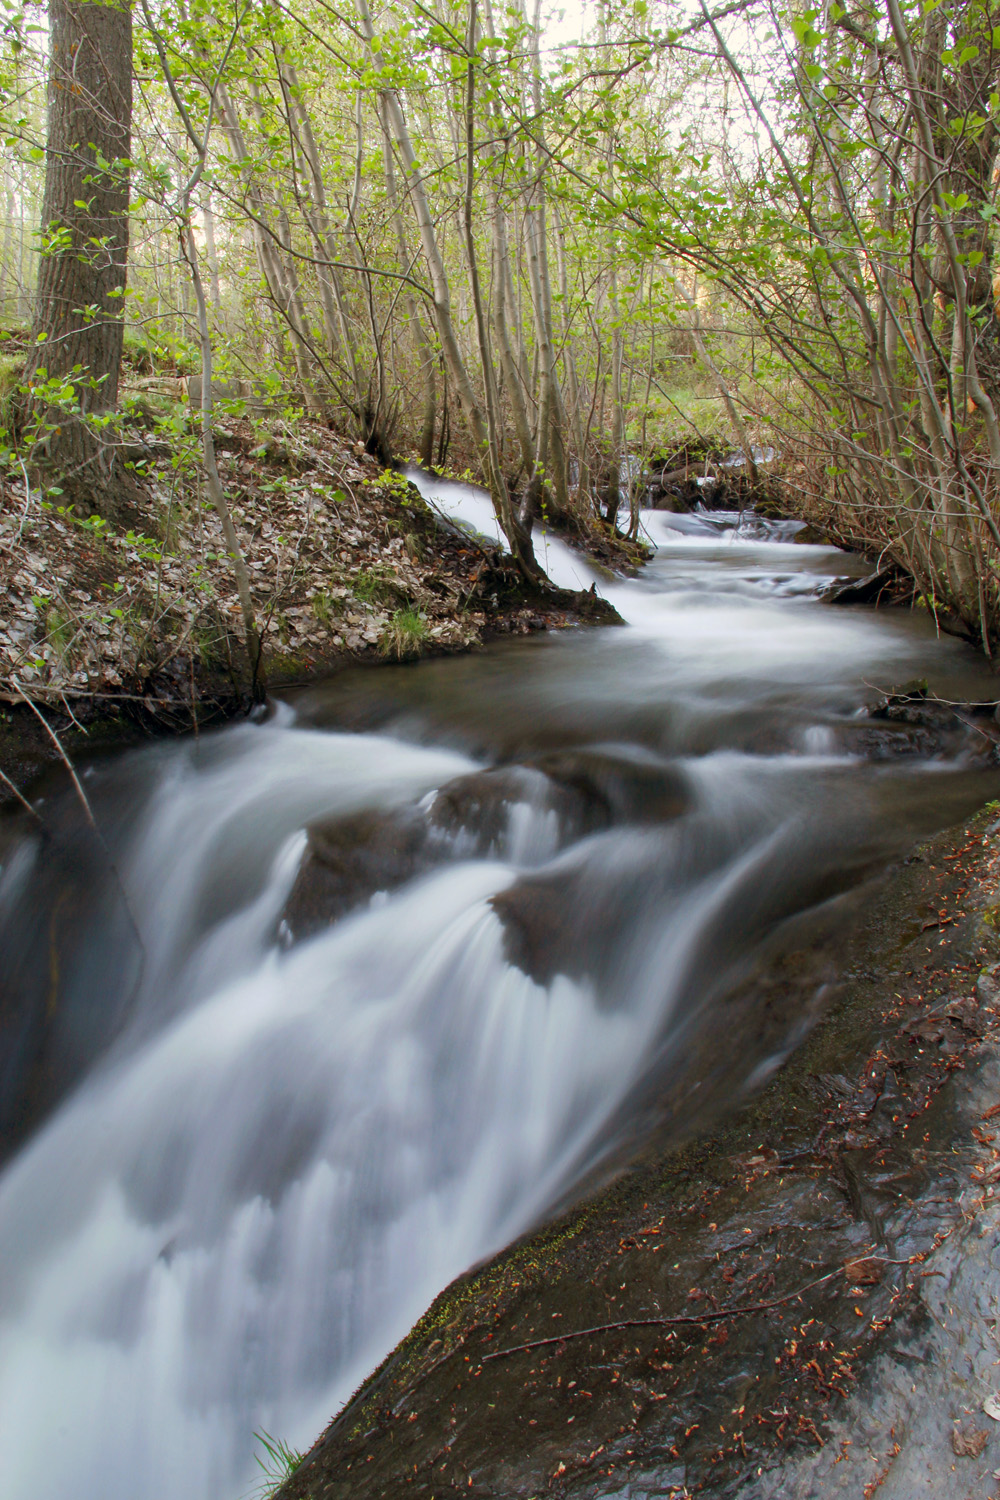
[
  {"x": 286, "y": 666},
  {"x": 11, "y": 375},
  {"x": 377, "y": 585}
]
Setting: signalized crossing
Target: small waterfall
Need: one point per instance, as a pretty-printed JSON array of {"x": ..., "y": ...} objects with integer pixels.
[{"x": 265, "y": 1148}]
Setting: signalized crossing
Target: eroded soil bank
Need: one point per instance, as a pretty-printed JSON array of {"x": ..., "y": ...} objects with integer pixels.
[
  {"x": 114, "y": 632},
  {"x": 802, "y": 1304}
]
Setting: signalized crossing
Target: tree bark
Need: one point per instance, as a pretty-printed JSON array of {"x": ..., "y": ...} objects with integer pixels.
[{"x": 79, "y": 305}]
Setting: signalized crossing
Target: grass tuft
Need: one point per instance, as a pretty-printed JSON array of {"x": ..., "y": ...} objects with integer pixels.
[
  {"x": 404, "y": 636},
  {"x": 278, "y": 1462}
]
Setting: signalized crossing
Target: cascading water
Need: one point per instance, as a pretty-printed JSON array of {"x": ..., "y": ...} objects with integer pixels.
[{"x": 261, "y": 1143}]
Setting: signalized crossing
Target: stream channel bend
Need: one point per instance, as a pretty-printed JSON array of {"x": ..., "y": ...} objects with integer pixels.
[{"x": 345, "y": 1000}]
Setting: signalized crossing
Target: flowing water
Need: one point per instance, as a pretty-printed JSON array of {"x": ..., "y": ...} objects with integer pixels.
[{"x": 271, "y": 1089}]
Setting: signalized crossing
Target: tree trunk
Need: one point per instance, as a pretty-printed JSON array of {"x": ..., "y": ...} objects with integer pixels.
[
  {"x": 450, "y": 348},
  {"x": 211, "y": 253},
  {"x": 79, "y": 306},
  {"x": 267, "y": 242},
  {"x": 518, "y": 534}
]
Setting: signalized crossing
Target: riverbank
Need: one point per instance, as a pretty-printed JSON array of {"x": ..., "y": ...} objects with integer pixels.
[
  {"x": 118, "y": 632},
  {"x": 470, "y": 932},
  {"x": 727, "y": 1310}
]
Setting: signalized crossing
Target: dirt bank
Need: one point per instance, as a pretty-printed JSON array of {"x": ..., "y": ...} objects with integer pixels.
[
  {"x": 748, "y": 1314},
  {"x": 114, "y": 632}
]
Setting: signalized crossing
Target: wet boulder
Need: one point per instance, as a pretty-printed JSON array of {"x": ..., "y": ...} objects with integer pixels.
[
  {"x": 348, "y": 859},
  {"x": 507, "y": 812},
  {"x": 887, "y": 585},
  {"x": 808, "y": 535},
  {"x": 910, "y": 722},
  {"x": 475, "y": 811},
  {"x": 618, "y": 787}
]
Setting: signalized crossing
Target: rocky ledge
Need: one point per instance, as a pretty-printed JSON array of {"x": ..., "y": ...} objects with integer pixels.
[{"x": 801, "y": 1304}]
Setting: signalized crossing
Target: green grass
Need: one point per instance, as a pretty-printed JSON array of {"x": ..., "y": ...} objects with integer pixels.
[
  {"x": 404, "y": 636},
  {"x": 278, "y": 1462},
  {"x": 679, "y": 413},
  {"x": 375, "y": 586}
]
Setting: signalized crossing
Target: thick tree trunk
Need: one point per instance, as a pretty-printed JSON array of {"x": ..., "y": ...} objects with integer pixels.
[{"x": 79, "y": 307}]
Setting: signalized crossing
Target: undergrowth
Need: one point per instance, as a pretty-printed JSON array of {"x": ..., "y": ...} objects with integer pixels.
[
  {"x": 279, "y": 1462},
  {"x": 404, "y": 636}
]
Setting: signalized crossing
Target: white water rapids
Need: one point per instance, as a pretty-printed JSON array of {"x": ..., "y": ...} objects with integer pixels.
[{"x": 283, "y": 1151}]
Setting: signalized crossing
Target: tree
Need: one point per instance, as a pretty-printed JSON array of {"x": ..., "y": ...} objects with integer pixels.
[
  {"x": 73, "y": 364},
  {"x": 199, "y": 139}
]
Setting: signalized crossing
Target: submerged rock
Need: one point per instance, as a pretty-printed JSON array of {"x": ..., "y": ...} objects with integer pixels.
[
  {"x": 525, "y": 812},
  {"x": 888, "y": 585}
]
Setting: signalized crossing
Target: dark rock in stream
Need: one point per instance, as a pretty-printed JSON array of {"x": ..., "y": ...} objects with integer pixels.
[
  {"x": 887, "y": 585},
  {"x": 809, "y": 535},
  {"x": 910, "y": 722},
  {"x": 476, "y": 809},
  {"x": 348, "y": 860},
  {"x": 631, "y": 787}
]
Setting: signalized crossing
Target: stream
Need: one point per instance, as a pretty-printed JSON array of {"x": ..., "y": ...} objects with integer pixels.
[{"x": 339, "y": 1003}]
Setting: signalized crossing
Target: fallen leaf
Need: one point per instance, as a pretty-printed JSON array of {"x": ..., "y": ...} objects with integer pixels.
[
  {"x": 968, "y": 1444},
  {"x": 865, "y": 1272},
  {"x": 991, "y": 1406}
]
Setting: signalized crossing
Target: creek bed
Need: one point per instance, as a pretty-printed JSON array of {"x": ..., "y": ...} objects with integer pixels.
[{"x": 339, "y": 1004}]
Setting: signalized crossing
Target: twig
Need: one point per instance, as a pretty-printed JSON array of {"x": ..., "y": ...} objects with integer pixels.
[
  {"x": 62, "y": 756},
  {"x": 689, "y": 1319},
  {"x": 20, "y": 795},
  {"x": 88, "y": 810},
  {"x": 27, "y": 497},
  {"x": 928, "y": 697},
  {"x": 111, "y": 697},
  {"x": 69, "y": 712}
]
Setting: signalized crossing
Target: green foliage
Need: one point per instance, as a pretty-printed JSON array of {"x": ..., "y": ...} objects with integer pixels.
[
  {"x": 746, "y": 181},
  {"x": 139, "y": 352},
  {"x": 278, "y": 1461},
  {"x": 376, "y": 585},
  {"x": 405, "y": 636}
]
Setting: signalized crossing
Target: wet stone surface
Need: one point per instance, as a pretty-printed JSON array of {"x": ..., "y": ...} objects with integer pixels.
[
  {"x": 526, "y": 812},
  {"x": 803, "y": 1305}
]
